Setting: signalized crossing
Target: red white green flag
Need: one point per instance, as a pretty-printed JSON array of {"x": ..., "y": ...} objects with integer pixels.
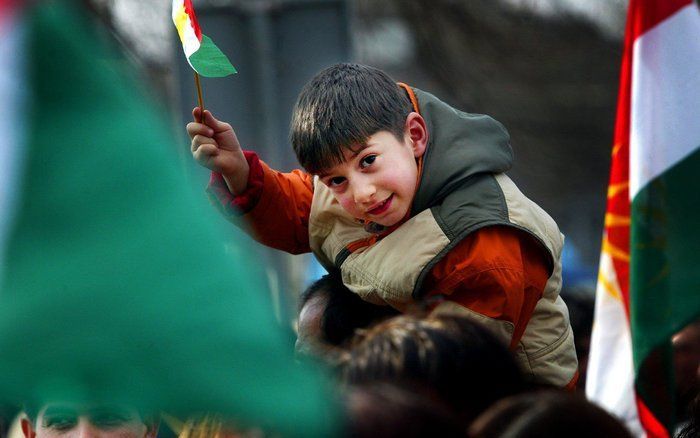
[
  {"x": 202, "y": 54},
  {"x": 648, "y": 280}
]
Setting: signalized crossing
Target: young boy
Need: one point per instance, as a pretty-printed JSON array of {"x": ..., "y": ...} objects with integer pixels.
[{"x": 407, "y": 197}]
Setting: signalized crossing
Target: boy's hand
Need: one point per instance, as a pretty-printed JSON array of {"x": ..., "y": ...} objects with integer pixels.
[{"x": 215, "y": 146}]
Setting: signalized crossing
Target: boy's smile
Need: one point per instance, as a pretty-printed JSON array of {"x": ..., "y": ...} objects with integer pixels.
[
  {"x": 377, "y": 182},
  {"x": 382, "y": 207}
]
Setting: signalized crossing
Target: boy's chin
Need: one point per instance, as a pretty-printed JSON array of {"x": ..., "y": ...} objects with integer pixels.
[
  {"x": 386, "y": 222},
  {"x": 390, "y": 220}
]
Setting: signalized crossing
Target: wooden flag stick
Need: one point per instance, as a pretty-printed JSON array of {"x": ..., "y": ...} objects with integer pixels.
[{"x": 199, "y": 96}]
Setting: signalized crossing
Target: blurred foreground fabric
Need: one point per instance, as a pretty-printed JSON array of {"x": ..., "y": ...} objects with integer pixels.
[{"x": 115, "y": 286}]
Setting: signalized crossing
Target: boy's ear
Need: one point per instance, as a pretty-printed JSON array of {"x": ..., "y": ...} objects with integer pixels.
[{"x": 417, "y": 132}]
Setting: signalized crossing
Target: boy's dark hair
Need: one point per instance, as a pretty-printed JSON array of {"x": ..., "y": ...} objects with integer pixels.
[
  {"x": 340, "y": 108},
  {"x": 345, "y": 311}
]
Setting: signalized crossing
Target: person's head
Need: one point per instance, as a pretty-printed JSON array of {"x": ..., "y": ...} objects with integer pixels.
[
  {"x": 686, "y": 356},
  {"x": 387, "y": 410},
  {"x": 692, "y": 428},
  {"x": 329, "y": 314},
  {"x": 546, "y": 414},
  {"x": 68, "y": 420},
  {"x": 464, "y": 363},
  {"x": 355, "y": 128}
]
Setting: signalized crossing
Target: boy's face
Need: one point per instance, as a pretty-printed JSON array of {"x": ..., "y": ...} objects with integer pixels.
[{"x": 377, "y": 182}]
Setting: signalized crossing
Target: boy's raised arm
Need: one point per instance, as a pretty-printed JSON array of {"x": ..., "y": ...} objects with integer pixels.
[
  {"x": 276, "y": 205},
  {"x": 280, "y": 218},
  {"x": 216, "y": 147}
]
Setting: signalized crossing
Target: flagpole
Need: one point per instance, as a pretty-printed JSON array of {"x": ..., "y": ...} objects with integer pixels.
[{"x": 199, "y": 96}]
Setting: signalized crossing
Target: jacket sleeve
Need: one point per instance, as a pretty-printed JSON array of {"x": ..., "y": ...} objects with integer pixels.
[
  {"x": 275, "y": 205},
  {"x": 499, "y": 272}
]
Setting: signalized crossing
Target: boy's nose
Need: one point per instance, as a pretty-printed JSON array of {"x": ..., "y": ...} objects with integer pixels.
[{"x": 364, "y": 193}]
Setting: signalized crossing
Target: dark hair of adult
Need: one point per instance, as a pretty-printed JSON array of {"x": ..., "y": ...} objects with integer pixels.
[
  {"x": 692, "y": 428},
  {"x": 340, "y": 108},
  {"x": 389, "y": 411},
  {"x": 345, "y": 311},
  {"x": 466, "y": 365},
  {"x": 550, "y": 414}
]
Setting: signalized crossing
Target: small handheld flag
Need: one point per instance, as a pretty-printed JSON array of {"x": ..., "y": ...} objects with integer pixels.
[{"x": 202, "y": 54}]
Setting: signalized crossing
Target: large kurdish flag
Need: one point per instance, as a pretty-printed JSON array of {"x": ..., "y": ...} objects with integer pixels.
[
  {"x": 115, "y": 286},
  {"x": 649, "y": 280},
  {"x": 201, "y": 52}
]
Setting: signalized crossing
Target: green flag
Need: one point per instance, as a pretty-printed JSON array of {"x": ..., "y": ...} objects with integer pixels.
[{"x": 115, "y": 285}]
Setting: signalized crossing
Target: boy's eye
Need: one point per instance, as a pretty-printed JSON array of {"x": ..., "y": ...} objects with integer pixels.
[
  {"x": 336, "y": 181},
  {"x": 367, "y": 161}
]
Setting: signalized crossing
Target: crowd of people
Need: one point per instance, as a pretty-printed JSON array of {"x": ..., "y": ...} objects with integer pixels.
[
  {"x": 441, "y": 313},
  {"x": 434, "y": 374},
  {"x": 417, "y": 374}
]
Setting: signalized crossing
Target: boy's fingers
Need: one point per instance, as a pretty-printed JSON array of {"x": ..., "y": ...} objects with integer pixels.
[
  {"x": 204, "y": 153},
  {"x": 197, "y": 114},
  {"x": 215, "y": 124},
  {"x": 201, "y": 140},
  {"x": 194, "y": 129}
]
